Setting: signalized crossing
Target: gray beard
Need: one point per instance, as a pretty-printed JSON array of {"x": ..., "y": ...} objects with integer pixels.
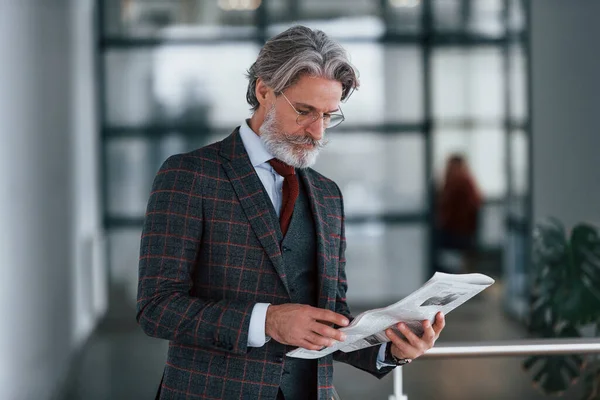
[{"x": 283, "y": 146}]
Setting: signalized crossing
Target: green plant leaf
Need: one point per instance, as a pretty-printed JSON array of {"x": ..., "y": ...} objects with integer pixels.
[
  {"x": 549, "y": 243},
  {"x": 566, "y": 279},
  {"x": 549, "y": 265},
  {"x": 591, "y": 382},
  {"x": 585, "y": 263},
  {"x": 565, "y": 295},
  {"x": 554, "y": 374}
]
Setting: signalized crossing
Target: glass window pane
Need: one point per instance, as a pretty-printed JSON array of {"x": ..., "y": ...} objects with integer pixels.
[
  {"x": 488, "y": 157},
  {"x": 492, "y": 225},
  {"x": 367, "y": 104},
  {"x": 179, "y": 85},
  {"x": 447, "y": 15},
  {"x": 278, "y": 9},
  {"x": 486, "y": 18},
  {"x": 468, "y": 83},
  {"x": 519, "y": 164},
  {"x": 384, "y": 262},
  {"x": 353, "y": 18},
  {"x": 404, "y": 16},
  {"x": 198, "y": 141},
  {"x": 485, "y": 151},
  {"x": 517, "y": 206},
  {"x": 391, "y": 84},
  {"x": 168, "y": 145},
  {"x": 518, "y": 84},
  {"x": 515, "y": 274},
  {"x": 310, "y": 10},
  {"x": 481, "y": 17},
  {"x": 123, "y": 258},
  {"x": 377, "y": 173},
  {"x": 516, "y": 16},
  {"x": 130, "y": 174},
  {"x": 360, "y": 27},
  {"x": 172, "y": 19},
  {"x": 130, "y": 98},
  {"x": 403, "y": 84}
]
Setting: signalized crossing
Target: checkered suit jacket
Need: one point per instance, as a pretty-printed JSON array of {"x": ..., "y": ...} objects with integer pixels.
[{"x": 209, "y": 252}]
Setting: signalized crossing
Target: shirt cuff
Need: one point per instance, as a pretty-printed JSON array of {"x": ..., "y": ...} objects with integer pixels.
[
  {"x": 256, "y": 332},
  {"x": 381, "y": 358}
]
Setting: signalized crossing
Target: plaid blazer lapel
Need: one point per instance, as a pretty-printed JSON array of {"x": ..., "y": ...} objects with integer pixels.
[
  {"x": 320, "y": 214},
  {"x": 250, "y": 193}
]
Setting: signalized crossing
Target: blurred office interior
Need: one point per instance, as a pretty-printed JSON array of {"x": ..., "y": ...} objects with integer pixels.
[{"x": 96, "y": 94}]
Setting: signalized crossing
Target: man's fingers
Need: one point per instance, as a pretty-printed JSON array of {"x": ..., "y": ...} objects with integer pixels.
[
  {"x": 405, "y": 349},
  {"x": 410, "y": 336},
  {"x": 305, "y": 344},
  {"x": 318, "y": 340},
  {"x": 440, "y": 323},
  {"x": 329, "y": 316},
  {"x": 429, "y": 334},
  {"x": 328, "y": 331}
]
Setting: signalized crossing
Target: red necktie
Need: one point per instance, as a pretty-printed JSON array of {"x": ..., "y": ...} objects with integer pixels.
[{"x": 290, "y": 192}]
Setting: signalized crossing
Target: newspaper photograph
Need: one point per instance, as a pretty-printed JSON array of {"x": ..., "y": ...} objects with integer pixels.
[{"x": 443, "y": 292}]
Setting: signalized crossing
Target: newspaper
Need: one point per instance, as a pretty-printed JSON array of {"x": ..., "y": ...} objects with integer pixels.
[{"x": 443, "y": 292}]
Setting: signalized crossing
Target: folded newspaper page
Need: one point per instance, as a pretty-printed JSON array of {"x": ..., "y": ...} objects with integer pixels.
[{"x": 443, "y": 292}]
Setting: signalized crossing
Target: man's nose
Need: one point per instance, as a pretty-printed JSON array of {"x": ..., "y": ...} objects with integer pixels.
[{"x": 316, "y": 129}]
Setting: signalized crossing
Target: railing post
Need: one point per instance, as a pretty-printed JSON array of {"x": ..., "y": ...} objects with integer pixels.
[{"x": 398, "y": 395}]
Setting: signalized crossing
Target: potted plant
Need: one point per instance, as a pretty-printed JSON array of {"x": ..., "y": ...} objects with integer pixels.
[{"x": 565, "y": 303}]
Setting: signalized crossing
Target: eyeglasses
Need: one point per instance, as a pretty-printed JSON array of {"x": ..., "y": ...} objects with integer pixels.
[{"x": 305, "y": 118}]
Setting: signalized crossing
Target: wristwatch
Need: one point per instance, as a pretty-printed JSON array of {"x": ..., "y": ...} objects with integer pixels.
[{"x": 390, "y": 358}]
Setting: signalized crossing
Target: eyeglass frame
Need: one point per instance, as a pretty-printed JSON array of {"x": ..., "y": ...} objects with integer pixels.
[{"x": 319, "y": 115}]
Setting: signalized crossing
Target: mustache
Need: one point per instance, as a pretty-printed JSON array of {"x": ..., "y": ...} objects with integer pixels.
[{"x": 306, "y": 139}]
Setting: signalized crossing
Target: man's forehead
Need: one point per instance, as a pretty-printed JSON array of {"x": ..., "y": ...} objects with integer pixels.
[{"x": 317, "y": 93}]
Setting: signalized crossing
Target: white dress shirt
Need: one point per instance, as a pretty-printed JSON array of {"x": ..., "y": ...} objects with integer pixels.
[{"x": 273, "y": 184}]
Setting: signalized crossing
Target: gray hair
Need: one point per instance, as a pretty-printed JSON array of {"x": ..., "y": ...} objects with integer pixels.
[{"x": 299, "y": 51}]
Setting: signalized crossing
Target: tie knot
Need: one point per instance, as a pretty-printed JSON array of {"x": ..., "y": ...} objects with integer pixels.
[{"x": 282, "y": 168}]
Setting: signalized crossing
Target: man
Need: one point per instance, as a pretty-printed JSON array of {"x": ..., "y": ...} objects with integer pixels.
[{"x": 242, "y": 250}]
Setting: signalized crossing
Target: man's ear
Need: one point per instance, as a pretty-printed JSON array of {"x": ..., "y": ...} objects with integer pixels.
[{"x": 263, "y": 93}]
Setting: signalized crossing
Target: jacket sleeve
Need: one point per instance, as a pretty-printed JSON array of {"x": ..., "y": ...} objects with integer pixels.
[
  {"x": 170, "y": 243},
  {"x": 364, "y": 359}
]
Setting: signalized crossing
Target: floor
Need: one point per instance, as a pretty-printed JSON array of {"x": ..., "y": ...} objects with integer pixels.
[{"x": 120, "y": 362}]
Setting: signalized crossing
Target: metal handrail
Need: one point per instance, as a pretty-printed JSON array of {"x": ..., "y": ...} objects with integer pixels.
[
  {"x": 504, "y": 348},
  {"x": 516, "y": 348}
]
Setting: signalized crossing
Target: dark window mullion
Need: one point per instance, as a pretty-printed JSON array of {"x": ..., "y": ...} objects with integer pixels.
[{"x": 427, "y": 27}]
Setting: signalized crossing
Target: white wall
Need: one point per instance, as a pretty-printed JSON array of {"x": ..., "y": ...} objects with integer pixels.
[
  {"x": 41, "y": 217},
  {"x": 566, "y": 110}
]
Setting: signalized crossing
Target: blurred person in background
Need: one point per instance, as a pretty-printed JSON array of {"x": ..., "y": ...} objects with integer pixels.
[
  {"x": 459, "y": 204},
  {"x": 242, "y": 250}
]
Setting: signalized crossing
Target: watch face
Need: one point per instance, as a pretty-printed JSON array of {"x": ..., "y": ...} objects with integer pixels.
[{"x": 402, "y": 361}]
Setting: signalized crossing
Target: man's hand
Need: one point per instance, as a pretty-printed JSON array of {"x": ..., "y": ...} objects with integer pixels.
[
  {"x": 415, "y": 346},
  {"x": 304, "y": 326}
]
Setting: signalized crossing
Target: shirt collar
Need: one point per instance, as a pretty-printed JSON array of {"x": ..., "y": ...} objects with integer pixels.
[{"x": 254, "y": 146}]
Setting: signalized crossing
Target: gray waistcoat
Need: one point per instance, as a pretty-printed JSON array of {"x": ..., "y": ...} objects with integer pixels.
[{"x": 299, "y": 249}]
